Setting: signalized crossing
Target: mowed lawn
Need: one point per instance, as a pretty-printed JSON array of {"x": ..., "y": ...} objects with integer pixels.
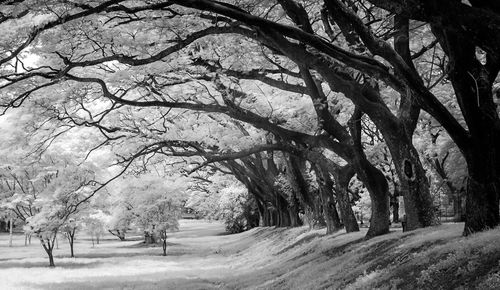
[
  {"x": 201, "y": 256},
  {"x": 193, "y": 258}
]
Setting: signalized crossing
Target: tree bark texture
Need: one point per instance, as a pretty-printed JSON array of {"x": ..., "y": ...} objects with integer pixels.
[
  {"x": 48, "y": 246},
  {"x": 330, "y": 214},
  {"x": 342, "y": 178},
  {"x": 472, "y": 81},
  {"x": 395, "y": 206},
  {"x": 482, "y": 204},
  {"x": 419, "y": 205},
  {"x": 51, "y": 259}
]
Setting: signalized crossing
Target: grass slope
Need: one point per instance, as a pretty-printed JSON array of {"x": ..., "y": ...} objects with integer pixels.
[
  {"x": 432, "y": 258},
  {"x": 201, "y": 257}
]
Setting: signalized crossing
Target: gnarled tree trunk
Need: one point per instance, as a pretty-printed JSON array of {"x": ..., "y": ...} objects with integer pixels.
[
  {"x": 419, "y": 206},
  {"x": 373, "y": 179},
  {"x": 483, "y": 191},
  {"x": 330, "y": 214},
  {"x": 342, "y": 178},
  {"x": 473, "y": 83}
]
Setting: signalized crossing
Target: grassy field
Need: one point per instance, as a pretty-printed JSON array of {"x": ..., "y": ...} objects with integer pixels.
[
  {"x": 201, "y": 256},
  {"x": 116, "y": 264}
]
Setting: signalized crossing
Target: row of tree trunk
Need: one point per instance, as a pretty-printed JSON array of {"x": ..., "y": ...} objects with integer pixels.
[{"x": 472, "y": 79}]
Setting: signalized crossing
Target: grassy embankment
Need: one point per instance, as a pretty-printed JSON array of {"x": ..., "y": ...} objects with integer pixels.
[{"x": 200, "y": 257}]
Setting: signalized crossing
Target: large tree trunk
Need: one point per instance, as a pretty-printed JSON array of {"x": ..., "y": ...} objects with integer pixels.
[
  {"x": 414, "y": 185},
  {"x": 325, "y": 184},
  {"x": 482, "y": 154},
  {"x": 296, "y": 166},
  {"x": 283, "y": 212},
  {"x": 419, "y": 206},
  {"x": 310, "y": 201},
  {"x": 315, "y": 214},
  {"x": 454, "y": 194},
  {"x": 318, "y": 213},
  {"x": 342, "y": 178},
  {"x": 472, "y": 82},
  {"x": 333, "y": 215},
  {"x": 483, "y": 186},
  {"x": 293, "y": 211},
  {"x": 458, "y": 212},
  {"x": 260, "y": 209},
  {"x": 272, "y": 216},
  {"x": 398, "y": 133},
  {"x": 376, "y": 184},
  {"x": 373, "y": 179},
  {"x": 377, "y": 187},
  {"x": 395, "y": 205},
  {"x": 267, "y": 217}
]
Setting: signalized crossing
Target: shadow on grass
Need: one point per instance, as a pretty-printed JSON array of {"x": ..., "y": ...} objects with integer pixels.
[
  {"x": 153, "y": 252},
  {"x": 196, "y": 234},
  {"x": 225, "y": 234},
  {"x": 301, "y": 241},
  {"x": 110, "y": 239},
  {"x": 132, "y": 283},
  {"x": 45, "y": 264},
  {"x": 144, "y": 245},
  {"x": 341, "y": 249},
  {"x": 65, "y": 261}
]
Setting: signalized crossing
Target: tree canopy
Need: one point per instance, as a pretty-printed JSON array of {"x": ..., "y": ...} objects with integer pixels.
[{"x": 292, "y": 98}]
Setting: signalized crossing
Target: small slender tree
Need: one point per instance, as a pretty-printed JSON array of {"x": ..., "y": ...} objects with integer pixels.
[
  {"x": 168, "y": 223},
  {"x": 96, "y": 226},
  {"x": 45, "y": 195},
  {"x": 69, "y": 230}
]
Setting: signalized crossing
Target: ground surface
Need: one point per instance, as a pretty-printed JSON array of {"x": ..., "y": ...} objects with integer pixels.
[{"x": 201, "y": 256}]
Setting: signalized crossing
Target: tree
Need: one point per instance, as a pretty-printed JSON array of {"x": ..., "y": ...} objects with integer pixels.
[
  {"x": 470, "y": 87},
  {"x": 166, "y": 215},
  {"x": 120, "y": 221},
  {"x": 254, "y": 119},
  {"x": 69, "y": 230},
  {"x": 446, "y": 165},
  {"x": 45, "y": 195},
  {"x": 472, "y": 81},
  {"x": 95, "y": 223},
  {"x": 299, "y": 54},
  {"x": 222, "y": 197},
  {"x": 158, "y": 215},
  {"x": 154, "y": 203}
]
